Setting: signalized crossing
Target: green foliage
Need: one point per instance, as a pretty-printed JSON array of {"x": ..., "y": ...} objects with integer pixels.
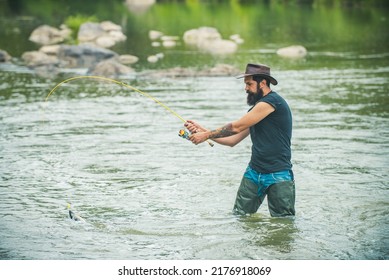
[
  {"x": 74, "y": 22},
  {"x": 265, "y": 25}
]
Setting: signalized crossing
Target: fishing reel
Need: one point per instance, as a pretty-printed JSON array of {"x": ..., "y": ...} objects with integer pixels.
[{"x": 186, "y": 134}]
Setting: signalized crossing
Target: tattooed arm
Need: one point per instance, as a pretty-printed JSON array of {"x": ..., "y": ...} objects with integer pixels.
[
  {"x": 258, "y": 113},
  {"x": 230, "y": 141},
  {"x": 222, "y": 132}
]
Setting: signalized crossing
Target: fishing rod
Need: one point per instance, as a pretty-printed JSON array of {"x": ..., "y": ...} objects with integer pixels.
[{"x": 120, "y": 83}]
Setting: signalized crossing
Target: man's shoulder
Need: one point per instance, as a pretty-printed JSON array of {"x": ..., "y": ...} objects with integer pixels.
[
  {"x": 273, "y": 94},
  {"x": 273, "y": 97}
]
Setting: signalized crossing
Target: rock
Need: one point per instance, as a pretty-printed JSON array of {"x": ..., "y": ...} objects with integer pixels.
[
  {"x": 220, "y": 70},
  {"x": 197, "y": 36},
  {"x": 65, "y": 31},
  {"x": 170, "y": 38},
  {"x": 208, "y": 39},
  {"x": 165, "y": 41},
  {"x": 110, "y": 26},
  {"x": 4, "y": 56},
  {"x": 152, "y": 59},
  {"x": 105, "y": 34},
  {"x": 43, "y": 65},
  {"x": 47, "y": 35},
  {"x": 89, "y": 32},
  {"x": 48, "y": 71},
  {"x": 117, "y": 36},
  {"x": 295, "y": 51},
  {"x": 155, "y": 57},
  {"x": 128, "y": 59},
  {"x": 84, "y": 56},
  {"x": 155, "y": 35},
  {"x": 110, "y": 68},
  {"x": 160, "y": 55},
  {"x": 105, "y": 42},
  {"x": 169, "y": 44},
  {"x": 139, "y": 6},
  {"x": 37, "y": 58},
  {"x": 237, "y": 39},
  {"x": 50, "y": 49}
]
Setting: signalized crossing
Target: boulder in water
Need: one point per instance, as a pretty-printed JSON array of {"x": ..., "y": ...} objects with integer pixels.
[{"x": 295, "y": 51}]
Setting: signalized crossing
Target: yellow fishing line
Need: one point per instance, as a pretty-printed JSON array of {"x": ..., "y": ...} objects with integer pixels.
[{"x": 121, "y": 84}]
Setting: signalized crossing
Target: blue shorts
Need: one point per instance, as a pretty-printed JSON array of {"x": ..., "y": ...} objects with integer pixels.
[
  {"x": 264, "y": 180},
  {"x": 278, "y": 186}
]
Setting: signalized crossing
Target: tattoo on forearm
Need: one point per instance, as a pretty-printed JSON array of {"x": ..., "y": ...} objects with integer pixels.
[{"x": 224, "y": 131}]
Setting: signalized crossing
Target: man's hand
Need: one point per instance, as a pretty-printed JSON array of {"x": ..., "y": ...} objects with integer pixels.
[
  {"x": 194, "y": 127},
  {"x": 199, "y": 137}
]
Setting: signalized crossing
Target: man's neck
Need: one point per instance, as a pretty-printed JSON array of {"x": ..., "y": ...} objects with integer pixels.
[{"x": 266, "y": 91}]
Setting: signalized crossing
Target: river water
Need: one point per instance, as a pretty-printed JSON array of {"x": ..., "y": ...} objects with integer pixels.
[{"x": 145, "y": 193}]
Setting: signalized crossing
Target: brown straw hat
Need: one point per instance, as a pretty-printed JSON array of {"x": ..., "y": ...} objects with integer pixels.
[{"x": 258, "y": 70}]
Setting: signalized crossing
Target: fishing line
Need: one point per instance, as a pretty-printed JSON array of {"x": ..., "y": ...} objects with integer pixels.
[{"x": 120, "y": 83}]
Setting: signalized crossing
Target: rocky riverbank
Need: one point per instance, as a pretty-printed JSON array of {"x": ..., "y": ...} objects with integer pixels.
[{"x": 93, "y": 51}]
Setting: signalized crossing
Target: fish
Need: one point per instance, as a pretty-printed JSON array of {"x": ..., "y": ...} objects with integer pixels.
[{"x": 74, "y": 216}]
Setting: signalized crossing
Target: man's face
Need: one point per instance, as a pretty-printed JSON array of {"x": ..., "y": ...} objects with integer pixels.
[{"x": 254, "y": 93}]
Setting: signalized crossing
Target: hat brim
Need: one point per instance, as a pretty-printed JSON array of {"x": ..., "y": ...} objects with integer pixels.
[{"x": 272, "y": 80}]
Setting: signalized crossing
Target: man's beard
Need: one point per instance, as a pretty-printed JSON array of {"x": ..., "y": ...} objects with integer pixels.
[{"x": 253, "y": 98}]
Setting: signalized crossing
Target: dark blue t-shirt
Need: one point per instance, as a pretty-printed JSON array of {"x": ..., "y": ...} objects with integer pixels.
[{"x": 271, "y": 137}]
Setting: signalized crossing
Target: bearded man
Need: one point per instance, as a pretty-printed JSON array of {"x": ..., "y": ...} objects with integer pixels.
[{"x": 269, "y": 124}]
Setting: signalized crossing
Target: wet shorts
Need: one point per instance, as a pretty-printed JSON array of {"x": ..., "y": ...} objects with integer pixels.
[{"x": 279, "y": 188}]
